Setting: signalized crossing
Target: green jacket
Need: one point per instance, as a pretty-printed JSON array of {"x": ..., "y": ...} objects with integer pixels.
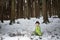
[{"x": 38, "y": 30}]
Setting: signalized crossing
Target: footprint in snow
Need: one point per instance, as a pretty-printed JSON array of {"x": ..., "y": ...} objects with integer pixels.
[
  {"x": 40, "y": 38},
  {"x": 56, "y": 34},
  {"x": 52, "y": 36},
  {"x": 36, "y": 39},
  {"x": 18, "y": 22},
  {"x": 58, "y": 38},
  {"x": 31, "y": 38},
  {"x": 54, "y": 30}
]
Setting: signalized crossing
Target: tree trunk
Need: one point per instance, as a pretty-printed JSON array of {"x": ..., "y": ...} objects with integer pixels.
[
  {"x": 12, "y": 20},
  {"x": 1, "y": 10},
  {"x": 24, "y": 9},
  {"x": 58, "y": 9},
  {"x": 9, "y": 8},
  {"x": 20, "y": 8},
  {"x": 49, "y": 7},
  {"x": 34, "y": 8},
  {"x": 29, "y": 8},
  {"x": 4, "y": 10},
  {"x": 44, "y": 9},
  {"x": 37, "y": 10},
  {"x": 32, "y": 14}
]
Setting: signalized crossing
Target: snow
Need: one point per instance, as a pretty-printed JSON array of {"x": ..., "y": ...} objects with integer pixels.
[
  {"x": 17, "y": 38},
  {"x": 23, "y": 29}
]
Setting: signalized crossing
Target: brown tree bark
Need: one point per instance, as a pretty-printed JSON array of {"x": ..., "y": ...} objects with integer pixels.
[
  {"x": 4, "y": 10},
  {"x": 24, "y": 9},
  {"x": 58, "y": 9},
  {"x": 1, "y": 10},
  {"x": 28, "y": 9},
  {"x": 44, "y": 9},
  {"x": 20, "y": 8},
  {"x": 12, "y": 19},
  {"x": 37, "y": 10},
  {"x": 32, "y": 14},
  {"x": 49, "y": 8},
  {"x": 9, "y": 8}
]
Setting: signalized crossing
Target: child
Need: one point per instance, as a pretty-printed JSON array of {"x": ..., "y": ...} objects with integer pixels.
[{"x": 38, "y": 29}]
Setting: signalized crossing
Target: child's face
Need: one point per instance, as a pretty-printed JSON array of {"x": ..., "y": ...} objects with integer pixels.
[{"x": 37, "y": 24}]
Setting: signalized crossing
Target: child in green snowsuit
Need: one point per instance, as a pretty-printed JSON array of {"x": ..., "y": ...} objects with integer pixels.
[{"x": 38, "y": 29}]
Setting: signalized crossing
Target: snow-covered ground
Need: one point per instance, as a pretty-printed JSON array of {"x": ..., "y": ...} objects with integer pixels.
[{"x": 23, "y": 29}]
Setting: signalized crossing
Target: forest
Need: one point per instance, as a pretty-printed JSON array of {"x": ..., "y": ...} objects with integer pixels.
[{"x": 15, "y": 9}]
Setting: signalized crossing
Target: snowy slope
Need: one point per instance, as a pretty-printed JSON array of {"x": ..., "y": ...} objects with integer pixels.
[{"x": 23, "y": 30}]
